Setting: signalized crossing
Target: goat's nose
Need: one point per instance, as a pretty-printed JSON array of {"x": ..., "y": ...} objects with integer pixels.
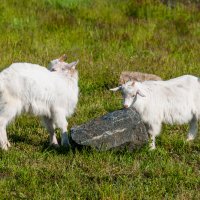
[{"x": 125, "y": 106}]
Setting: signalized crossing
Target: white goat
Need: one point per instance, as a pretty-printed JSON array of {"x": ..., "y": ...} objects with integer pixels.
[
  {"x": 26, "y": 87},
  {"x": 176, "y": 101},
  {"x": 137, "y": 76}
]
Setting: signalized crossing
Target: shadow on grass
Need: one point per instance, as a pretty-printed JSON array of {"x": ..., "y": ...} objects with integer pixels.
[
  {"x": 45, "y": 147},
  {"x": 74, "y": 147},
  {"x": 23, "y": 139},
  {"x": 84, "y": 149},
  {"x": 61, "y": 150}
]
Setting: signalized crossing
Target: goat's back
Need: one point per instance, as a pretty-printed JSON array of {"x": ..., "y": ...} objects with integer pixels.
[
  {"x": 37, "y": 88},
  {"x": 175, "y": 100}
]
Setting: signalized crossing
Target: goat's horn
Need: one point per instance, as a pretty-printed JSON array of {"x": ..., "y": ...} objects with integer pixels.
[{"x": 62, "y": 58}]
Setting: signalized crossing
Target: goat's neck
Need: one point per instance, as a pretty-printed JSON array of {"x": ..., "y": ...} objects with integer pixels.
[
  {"x": 71, "y": 78},
  {"x": 140, "y": 102}
]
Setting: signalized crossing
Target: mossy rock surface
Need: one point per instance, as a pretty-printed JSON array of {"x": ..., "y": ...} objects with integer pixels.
[{"x": 116, "y": 130}]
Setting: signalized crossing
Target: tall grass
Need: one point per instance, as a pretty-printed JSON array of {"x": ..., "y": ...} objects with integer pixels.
[{"x": 107, "y": 37}]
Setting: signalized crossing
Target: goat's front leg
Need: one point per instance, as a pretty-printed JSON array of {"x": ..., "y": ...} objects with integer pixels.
[
  {"x": 64, "y": 136},
  {"x": 154, "y": 130},
  {"x": 51, "y": 129},
  {"x": 61, "y": 123},
  {"x": 193, "y": 128}
]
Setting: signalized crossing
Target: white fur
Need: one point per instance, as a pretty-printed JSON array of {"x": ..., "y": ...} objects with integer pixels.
[
  {"x": 176, "y": 101},
  {"x": 26, "y": 87}
]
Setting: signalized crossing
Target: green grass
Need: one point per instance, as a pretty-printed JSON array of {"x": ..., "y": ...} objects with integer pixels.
[{"x": 107, "y": 37}]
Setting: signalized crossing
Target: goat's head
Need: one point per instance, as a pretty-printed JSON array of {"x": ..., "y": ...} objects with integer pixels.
[
  {"x": 58, "y": 65},
  {"x": 129, "y": 91}
]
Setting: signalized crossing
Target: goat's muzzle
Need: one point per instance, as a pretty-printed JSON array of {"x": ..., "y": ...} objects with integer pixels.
[{"x": 125, "y": 106}]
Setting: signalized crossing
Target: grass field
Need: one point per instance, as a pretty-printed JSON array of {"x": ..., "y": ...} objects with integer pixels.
[{"x": 107, "y": 36}]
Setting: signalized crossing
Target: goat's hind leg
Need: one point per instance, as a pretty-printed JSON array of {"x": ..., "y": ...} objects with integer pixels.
[
  {"x": 193, "y": 128},
  {"x": 4, "y": 143},
  {"x": 8, "y": 111},
  {"x": 51, "y": 129}
]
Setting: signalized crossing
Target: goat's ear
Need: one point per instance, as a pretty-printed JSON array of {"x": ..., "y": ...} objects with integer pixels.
[
  {"x": 73, "y": 64},
  {"x": 140, "y": 93},
  {"x": 116, "y": 89},
  {"x": 122, "y": 81},
  {"x": 62, "y": 58}
]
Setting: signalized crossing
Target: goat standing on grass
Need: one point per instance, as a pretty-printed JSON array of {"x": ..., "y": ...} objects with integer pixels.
[
  {"x": 51, "y": 94},
  {"x": 176, "y": 101}
]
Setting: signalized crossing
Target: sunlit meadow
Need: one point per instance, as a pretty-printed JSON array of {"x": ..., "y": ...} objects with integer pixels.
[{"x": 107, "y": 36}]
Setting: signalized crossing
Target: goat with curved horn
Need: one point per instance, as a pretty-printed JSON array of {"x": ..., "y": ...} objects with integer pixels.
[{"x": 63, "y": 58}]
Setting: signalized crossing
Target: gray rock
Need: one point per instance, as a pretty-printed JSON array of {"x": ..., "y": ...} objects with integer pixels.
[{"x": 116, "y": 130}]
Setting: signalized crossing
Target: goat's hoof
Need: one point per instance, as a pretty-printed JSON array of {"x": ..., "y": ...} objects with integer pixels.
[
  {"x": 152, "y": 148},
  {"x": 67, "y": 145},
  {"x": 65, "y": 142},
  {"x": 4, "y": 147},
  {"x": 8, "y": 144},
  {"x": 190, "y": 138},
  {"x": 54, "y": 145}
]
